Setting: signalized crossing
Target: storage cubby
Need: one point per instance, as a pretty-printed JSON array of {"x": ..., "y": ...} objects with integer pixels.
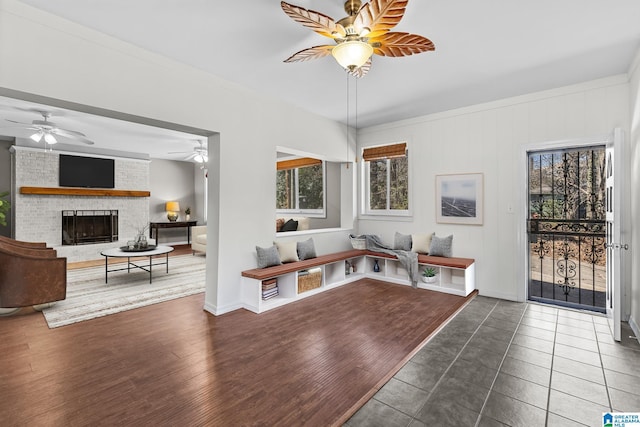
[
  {"x": 359, "y": 265},
  {"x": 334, "y": 273},
  {"x": 394, "y": 269},
  {"x": 370, "y": 267},
  {"x": 453, "y": 280}
]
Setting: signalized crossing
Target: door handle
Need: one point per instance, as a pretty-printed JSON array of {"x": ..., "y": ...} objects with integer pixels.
[{"x": 624, "y": 246}]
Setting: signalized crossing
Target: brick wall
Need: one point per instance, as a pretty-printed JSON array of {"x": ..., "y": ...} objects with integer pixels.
[{"x": 39, "y": 218}]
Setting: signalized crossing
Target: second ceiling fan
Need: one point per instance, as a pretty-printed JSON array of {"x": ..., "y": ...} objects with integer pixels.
[
  {"x": 362, "y": 33},
  {"x": 200, "y": 154}
]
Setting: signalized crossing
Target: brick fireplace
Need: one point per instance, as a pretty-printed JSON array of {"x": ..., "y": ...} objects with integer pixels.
[
  {"x": 85, "y": 227},
  {"x": 38, "y": 217}
]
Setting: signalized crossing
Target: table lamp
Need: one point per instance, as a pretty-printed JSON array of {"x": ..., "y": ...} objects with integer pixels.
[{"x": 172, "y": 209}]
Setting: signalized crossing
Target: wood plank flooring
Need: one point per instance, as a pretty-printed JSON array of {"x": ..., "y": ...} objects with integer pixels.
[{"x": 312, "y": 363}]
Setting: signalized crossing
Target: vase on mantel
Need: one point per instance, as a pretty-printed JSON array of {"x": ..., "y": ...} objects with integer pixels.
[{"x": 187, "y": 217}]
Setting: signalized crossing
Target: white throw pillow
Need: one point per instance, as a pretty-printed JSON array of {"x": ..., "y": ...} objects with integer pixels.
[
  {"x": 288, "y": 251},
  {"x": 421, "y": 243}
]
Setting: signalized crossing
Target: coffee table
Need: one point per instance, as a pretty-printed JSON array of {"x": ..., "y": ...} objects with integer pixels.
[{"x": 120, "y": 253}]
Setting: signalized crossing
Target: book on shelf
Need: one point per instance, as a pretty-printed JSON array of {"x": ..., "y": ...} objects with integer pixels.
[
  {"x": 266, "y": 297},
  {"x": 271, "y": 286},
  {"x": 270, "y": 292},
  {"x": 270, "y": 281}
]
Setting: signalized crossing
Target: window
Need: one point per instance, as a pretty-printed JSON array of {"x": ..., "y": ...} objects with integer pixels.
[
  {"x": 386, "y": 179},
  {"x": 300, "y": 187}
]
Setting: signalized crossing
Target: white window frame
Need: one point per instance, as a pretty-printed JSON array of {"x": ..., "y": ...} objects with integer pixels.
[
  {"x": 366, "y": 210},
  {"x": 311, "y": 213}
]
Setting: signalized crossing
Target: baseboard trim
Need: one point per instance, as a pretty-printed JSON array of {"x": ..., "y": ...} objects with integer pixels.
[
  {"x": 217, "y": 311},
  {"x": 634, "y": 328}
]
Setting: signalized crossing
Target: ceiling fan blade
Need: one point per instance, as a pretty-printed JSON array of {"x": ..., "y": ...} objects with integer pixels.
[
  {"x": 379, "y": 16},
  {"x": 316, "y": 21},
  {"x": 71, "y": 134},
  {"x": 20, "y": 123},
  {"x": 400, "y": 44},
  {"x": 362, "y": 70},
  {"x": 21, "y": 127},
  {"x": 311, "y": 53}
]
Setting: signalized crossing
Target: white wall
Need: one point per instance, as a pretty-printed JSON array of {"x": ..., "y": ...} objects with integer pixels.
[
  {"x": 487, "y": 138},
  {"x": 634, "y": 155},
  {"x": 92, "y": 69},
  {"x": 171, "y": 180}
]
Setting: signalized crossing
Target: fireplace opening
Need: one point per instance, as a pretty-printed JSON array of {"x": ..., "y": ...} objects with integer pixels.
[{"x": 84, "y": 227}]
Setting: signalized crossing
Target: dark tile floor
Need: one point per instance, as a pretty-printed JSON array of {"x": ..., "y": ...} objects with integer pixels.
[{"x": 501, "y": 363}]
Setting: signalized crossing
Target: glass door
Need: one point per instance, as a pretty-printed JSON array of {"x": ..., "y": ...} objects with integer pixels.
[{"x": 567, "y": 228}]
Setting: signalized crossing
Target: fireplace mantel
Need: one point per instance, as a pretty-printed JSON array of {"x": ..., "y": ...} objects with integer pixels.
[{"x": 68, "y": 191}]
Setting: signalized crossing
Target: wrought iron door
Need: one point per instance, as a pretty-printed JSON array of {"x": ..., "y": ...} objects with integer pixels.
[{"x": 567, "y": 227}]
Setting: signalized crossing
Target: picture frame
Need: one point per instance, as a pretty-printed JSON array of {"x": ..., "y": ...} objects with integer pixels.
[{"x": 459, "y": 199}]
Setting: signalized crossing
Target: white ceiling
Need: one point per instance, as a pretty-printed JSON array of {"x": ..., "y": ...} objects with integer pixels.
[{"x": 484, "y": 51}]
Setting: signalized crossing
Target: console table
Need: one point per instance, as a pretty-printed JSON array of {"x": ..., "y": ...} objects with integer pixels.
[{"x": 171, "y": 224}]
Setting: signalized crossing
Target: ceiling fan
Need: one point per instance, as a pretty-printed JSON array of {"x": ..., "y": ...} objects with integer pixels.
[
  {"x": 200, "y": 153},
  {"x": 363, "y": 32},
  {"x": 44, "y": 129}
]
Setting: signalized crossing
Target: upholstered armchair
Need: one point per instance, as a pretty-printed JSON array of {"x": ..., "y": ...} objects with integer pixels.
[
  {"x": 31, "y": 276},
  {"x": 39, "y": 245},
  {"x": 199, "y": 238}
]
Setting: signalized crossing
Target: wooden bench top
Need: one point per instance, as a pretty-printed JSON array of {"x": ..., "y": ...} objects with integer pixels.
[
  {"x": 290, "y": 267},
  {"x": 433, "y": 260},
  {"x": 279, "y": 270}
]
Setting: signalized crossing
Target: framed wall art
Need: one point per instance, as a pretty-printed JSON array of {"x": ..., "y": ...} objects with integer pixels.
[{"x": 459, "y": 199}]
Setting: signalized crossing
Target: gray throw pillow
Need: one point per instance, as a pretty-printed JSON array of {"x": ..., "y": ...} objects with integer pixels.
[
  {"x": 402, "y": 242},
  {"x": 268, "y": 257},
  {"x": 441, "y": 246},
  {"x": 306, "y": 249}
]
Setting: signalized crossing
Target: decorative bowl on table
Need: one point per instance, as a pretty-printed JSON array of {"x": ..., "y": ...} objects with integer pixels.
[{"x": 135, "y": 248}]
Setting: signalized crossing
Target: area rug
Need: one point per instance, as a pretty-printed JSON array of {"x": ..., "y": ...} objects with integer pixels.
[{"x": 89, "y": 297}]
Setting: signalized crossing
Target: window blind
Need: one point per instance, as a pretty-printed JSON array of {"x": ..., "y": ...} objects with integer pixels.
[
  {"x": 384, "y": 152},
  {"x": 297, "y": 163}
]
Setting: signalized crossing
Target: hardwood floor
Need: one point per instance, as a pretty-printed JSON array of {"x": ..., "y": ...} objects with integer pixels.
[{"x": 313, "y": 362}]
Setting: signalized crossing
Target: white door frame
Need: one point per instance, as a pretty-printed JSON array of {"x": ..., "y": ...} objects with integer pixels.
[{"x": 523, "y": 159}]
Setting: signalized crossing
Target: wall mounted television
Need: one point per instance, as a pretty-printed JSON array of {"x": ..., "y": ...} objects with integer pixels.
[{"x": 86, "y": 172}]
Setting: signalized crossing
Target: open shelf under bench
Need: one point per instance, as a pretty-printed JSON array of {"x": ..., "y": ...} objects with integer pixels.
[{"x": 454, "y": 275}]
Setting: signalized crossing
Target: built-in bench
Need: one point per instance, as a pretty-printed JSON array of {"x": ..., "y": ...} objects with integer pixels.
[
  {"x": 291, "y": 267},
  {"x": 454, "y": 275}
]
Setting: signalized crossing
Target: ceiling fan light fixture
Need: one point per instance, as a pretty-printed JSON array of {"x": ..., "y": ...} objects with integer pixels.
[
  {"x": 37, "y": 136},
  {"x": 49, "y": 138},
  {"x": 352, "y": 54}
]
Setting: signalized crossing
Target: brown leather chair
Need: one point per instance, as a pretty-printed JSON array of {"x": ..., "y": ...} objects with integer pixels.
[
  {"x": 28, "y": 250},
  {"x": 31, "y": 276},
  {"x": 15, "y": 242}
]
